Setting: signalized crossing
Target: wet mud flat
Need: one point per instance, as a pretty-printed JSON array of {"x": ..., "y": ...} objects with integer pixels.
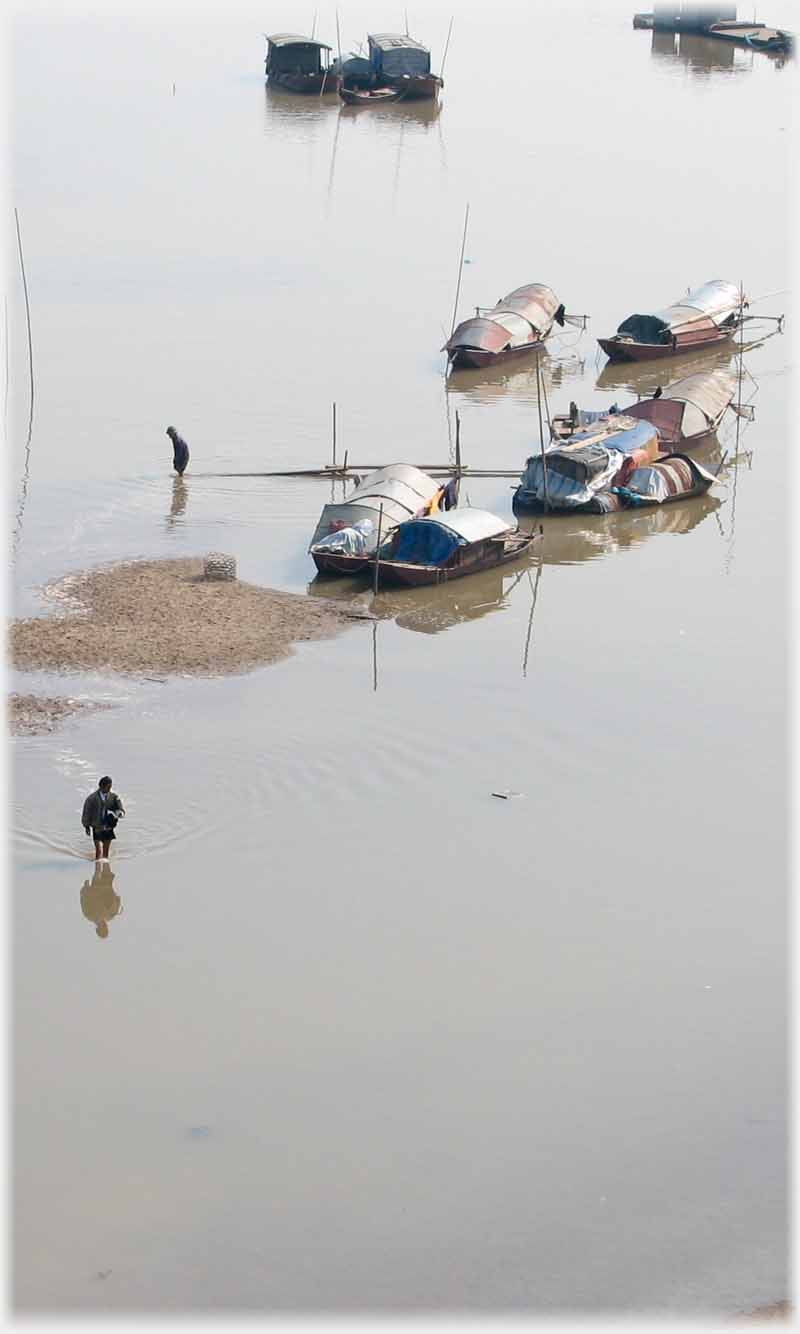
[
  {"x": 36, "y": 715},
  {"x": 166, "y": 616}
]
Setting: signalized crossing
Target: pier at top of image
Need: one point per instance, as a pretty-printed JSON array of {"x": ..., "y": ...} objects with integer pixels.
[{"x": 716, "y": 21}]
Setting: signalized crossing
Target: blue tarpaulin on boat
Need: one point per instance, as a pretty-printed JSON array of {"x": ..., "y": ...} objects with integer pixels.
[
  {"x": 636, "y": 437},
  {"x": 425, "y": 543}
]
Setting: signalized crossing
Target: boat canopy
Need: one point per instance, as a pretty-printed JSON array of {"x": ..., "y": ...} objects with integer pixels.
[
  {"x": 525, "y": 315},
  {"x": 352, "y": 66},
  {"x": 394, "y": 55},
  {"x": 401, "y": 489},
  {"x": 688, "y": 407},
  {"x": 432, "y": 540},
  {"x": 710, "y": 392},
  {"x": 292, "y": 39},
  {"x": 707, "y": 307}
]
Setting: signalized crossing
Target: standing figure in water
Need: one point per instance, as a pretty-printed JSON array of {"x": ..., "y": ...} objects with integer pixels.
[
  {"x": 101, "y": 811},
  {"x": 180, "y": 451}
]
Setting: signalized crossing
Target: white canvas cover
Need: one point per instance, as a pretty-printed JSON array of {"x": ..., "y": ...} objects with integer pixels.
[{"x": 473, "y": 525}]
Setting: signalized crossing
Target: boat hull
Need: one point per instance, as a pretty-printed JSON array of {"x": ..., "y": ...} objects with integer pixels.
[
  {"x": 338, "y": 563},
  {"x": 417, "y": 87},
  {"x": 625, "y": 351},
  {"x": 353, "y": 97},
  {"x": 476, "y": 358},
  {"x": 306, "y": 83},
  {"x": 415, "y": 576}
]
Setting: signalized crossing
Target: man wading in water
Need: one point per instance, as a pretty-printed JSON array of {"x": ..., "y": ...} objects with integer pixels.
[{"x": 101, "y": 810}]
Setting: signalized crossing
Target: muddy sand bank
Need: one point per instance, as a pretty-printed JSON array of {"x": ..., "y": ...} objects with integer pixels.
[
  {"x": 167, "y": 617},
  {"x": 36, "y": 715}
]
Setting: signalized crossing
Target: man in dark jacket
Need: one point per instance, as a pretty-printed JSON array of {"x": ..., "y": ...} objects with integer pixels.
[
  {"x": 101, "y": 810},
  {"x": 180, "y": 451}
]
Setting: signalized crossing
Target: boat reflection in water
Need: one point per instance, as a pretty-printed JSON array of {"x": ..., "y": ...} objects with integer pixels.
[
  {"x": 415, "y": 113},
  {"x": 488, "y": 384},
  {"x": 99, "y": 901},
  {"x": 701, "y": 55},
  {"x": 434, "y": 607},
  {"x": 643, "y": 378},
  {"x": 286, "y": 109}
]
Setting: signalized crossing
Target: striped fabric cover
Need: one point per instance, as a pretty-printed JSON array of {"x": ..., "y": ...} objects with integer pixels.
[{"x": 659, "y": 481}]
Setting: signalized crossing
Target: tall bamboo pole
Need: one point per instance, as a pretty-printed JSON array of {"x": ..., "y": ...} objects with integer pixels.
[
  {"x": 541, "y": 434},
  {"x": 460, "y": 270},
  {"x": 377, "y": 552}
]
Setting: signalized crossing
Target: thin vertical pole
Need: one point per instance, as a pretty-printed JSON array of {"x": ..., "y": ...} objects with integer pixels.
[
  {"x": 458, "y": 456},
  {"x": 446, "y": 48},
  {"x": 460, "y": 269},
  {"x": 534, "y": 591},
  {"x": 377, "y": 551},
  {"x": 547, "y": 408},
  {"x": 334, "y": 435},
  {"x": 344, "y": 465},
  {"x": 541, "y": 433},
  {"x": 28, "y": 319},
  {"x": 374, "y": 655},
  {"x": 5, "y": 394}
]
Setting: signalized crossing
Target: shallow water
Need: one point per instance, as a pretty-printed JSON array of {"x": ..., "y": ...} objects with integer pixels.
[{"x": 362, "y": 1035}]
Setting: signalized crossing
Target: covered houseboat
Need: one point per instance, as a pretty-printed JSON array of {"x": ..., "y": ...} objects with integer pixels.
[
  {"x": 299, "y": 65},
  {"x": 440, "y": 547},
  {"x": 346, "y": 536},
  {"x": 703, "y": 318},
  {"x": 607, "y": 462},
  {"x": 401, "y": 62},
  {"x": 519, "y": 323},
  {"x": 686, "y": 414}
]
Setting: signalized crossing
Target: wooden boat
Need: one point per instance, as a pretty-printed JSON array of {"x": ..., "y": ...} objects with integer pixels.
[
  {"x": 296, "y": 63},
  {"x": 401, "y": 62},
  {"x": 755, "y": 35},
  {"x": 686, "y": 414},
  {"x": 370, "y": 97},
  {"x": 346, "y": 536},
  {"x": 519, "y": 323},
  {"x": 441, "y": 547},
  {"x": 703, "y": 318}
]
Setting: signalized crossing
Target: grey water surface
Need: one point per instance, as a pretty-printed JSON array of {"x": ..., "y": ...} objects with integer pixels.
[{"x": 360, "y": 1035}]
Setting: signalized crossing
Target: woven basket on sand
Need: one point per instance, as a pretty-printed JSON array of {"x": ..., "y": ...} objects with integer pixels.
[{"x": 216, "y": 565}]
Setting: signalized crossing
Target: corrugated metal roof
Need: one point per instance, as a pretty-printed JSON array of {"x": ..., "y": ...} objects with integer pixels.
[
  {"x": 710, "y": 391},
  {"x": 399, "y": 488},
  {"x": 405, "y": 474},
  {"x": 716, "y": 298},
  {"x": 292, "y": 39},
  {"x": 714, "y": 301},
  {"x": 391, "y": 41},
  {"x": 471, "y": 524},
  {"x": 534, "y": 303}
]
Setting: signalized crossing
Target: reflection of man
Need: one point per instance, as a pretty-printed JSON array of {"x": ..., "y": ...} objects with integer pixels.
[{"x": 98, "y": 901}]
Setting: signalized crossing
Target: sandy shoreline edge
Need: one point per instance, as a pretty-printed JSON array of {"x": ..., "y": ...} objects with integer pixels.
[{"x": 163, "y": 617}]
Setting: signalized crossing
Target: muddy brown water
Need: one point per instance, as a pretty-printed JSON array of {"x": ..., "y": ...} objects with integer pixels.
[{"x": 445, "y": 1052}]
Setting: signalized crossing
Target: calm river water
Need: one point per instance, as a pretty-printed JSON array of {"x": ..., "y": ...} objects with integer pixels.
[{"x": 361, "y": 1035}]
